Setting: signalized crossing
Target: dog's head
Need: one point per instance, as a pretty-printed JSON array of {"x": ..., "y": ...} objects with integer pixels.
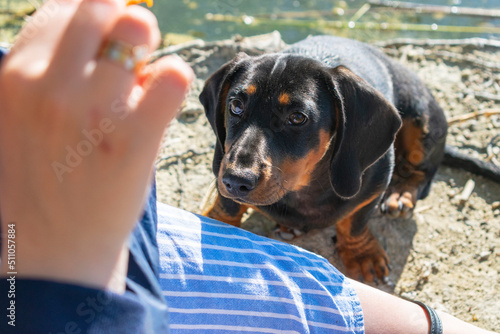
[{"x": 277, "y": 115}]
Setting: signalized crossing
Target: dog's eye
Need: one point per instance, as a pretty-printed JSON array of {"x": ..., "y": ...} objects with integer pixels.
[
  {"x": 236, "y": 106},
  {"x": 297, "y": 118}
]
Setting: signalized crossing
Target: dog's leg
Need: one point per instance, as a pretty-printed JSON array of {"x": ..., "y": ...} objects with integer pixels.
[
  {"x": 402, "y": 194},
  {"x": 419, "y": 149},
  {"x": 226, "y": 210},
  {"x": 361, "y": 253}
]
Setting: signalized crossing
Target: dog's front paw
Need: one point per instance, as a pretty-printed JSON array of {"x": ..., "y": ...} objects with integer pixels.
[
  {"x": 287, "y": 233},
  {"x": 365, "y": 260},
  {"x": 398, "y": 204}
]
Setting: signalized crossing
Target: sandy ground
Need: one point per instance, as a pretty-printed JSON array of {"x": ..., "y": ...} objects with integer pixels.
[{"x": 448, "y": 253}]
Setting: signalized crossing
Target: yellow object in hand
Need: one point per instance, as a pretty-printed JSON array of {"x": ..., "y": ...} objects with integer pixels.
[{"x": 136, "y": 2}]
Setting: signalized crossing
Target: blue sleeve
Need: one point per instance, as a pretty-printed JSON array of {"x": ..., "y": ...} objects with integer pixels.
[
  {"x": 3, "y": 52},
  {"x": 35, "y": 306},
  {"x": 38, "y": 306},
  {"x": 218, "y": 278}
]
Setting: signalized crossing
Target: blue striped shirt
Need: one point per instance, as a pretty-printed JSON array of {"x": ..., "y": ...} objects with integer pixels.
[{"x": 220, "y": 279}]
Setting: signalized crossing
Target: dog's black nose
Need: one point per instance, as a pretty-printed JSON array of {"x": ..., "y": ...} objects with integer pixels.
[{"x": 239, "y": 183}]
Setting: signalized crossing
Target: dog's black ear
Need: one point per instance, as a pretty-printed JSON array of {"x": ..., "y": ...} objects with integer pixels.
[
  {"x": 366, "y": 128},
  {"x": 213, "y": 98}
]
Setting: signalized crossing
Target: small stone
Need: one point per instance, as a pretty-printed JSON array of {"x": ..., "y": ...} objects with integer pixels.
[
  {"x": 473, "y": 126},
  {"x": 495, "y": 205},
  {"x": 461, "y": 139},
  {"x": 286, "y": 236},
  {"x": 476, "y": 143},
  {"x": 454, "y": 250},
  {"x": 483, "y": 256},
  {"x": 466, "y": 74}
]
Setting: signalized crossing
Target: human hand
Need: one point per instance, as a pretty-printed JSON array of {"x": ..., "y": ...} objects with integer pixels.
[{"x": 78, "y": 137}]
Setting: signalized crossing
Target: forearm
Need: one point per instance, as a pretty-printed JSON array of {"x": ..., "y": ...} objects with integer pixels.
[{"x": 386, "y": 313}]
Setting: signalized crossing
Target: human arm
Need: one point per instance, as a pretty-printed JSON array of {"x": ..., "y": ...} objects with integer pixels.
[
  {"x": 386, "y": 313},
  {"x": 54, "y": 92}
]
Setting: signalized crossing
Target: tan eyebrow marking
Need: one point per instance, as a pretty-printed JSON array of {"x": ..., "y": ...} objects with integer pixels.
[
  {"x": 284, "y": 98},
  {"x": 251, "y": 89}
]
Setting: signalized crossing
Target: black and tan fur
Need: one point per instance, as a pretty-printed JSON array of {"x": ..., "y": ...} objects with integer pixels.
[{"x": 321, "y": 134}]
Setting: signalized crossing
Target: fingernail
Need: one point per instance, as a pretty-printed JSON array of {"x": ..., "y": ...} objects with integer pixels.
[{"x": 184, "y": 67}]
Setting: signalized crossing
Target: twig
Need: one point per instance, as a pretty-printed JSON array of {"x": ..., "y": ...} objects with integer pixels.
[
  {"x": 466, "y": 58},
  {"x": 171, "y": 159},
  {"x": 325, "y": 25},
  {"x": 181, "y": 179},
  {"x": 423, "y": 208},
  {"x": 452, "y": 10},
  {"x": 450, "y": 56},
  {"x": 484, "y": 96},
  {"x": 474, "y": 114},
  {"x": 300, "y": 15},
  {"x": 467, "y": 191},
  {"x": 18, "y": 14},
  {"x": 271, "y": 40},
  {"x": 362, "y": 11},
  {"x": 465, "y": 42}
]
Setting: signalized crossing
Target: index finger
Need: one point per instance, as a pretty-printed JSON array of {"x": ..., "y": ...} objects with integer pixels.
[{"x": 84, "y": 36}]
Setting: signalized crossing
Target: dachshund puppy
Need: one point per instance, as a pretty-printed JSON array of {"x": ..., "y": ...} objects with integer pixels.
[{"x": 320, "y": 134}]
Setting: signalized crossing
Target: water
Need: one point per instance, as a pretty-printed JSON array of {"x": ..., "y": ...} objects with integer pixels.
[{"x": 190, "y": 17}]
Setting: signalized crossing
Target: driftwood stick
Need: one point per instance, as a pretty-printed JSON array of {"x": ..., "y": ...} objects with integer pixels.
[
  {"x": 464, "y": 42},
  {"x": 451, "y": 56},
  {"x": 451, "y": 10},
  {"x": 362, "y": 11},
  {"x": 17, "y": 14},
  {"x": 466, "y": 58},
  {"x": 484, "y": 96},
  {"x": 467, "y": 191},
  {"x": 326, "y": 25},
  {"x": 474, "y": 114},
  {"x": 306, "y": 14}
]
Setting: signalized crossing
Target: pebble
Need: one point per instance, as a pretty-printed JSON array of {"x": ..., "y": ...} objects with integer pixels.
[
  {"x": 495, "y": 205},
  {"x": 466, "y": 73},
  {"x": 286, "y": 236},
  {"x": 476, "y": 143},
  {"x": 460, "y": 139},
  {"x": 473, "y": 126},
  {"x": 483, "y": 256}
]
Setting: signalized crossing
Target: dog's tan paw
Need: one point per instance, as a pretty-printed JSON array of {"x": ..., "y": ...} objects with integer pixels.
[{"x": 398, "y": 204}]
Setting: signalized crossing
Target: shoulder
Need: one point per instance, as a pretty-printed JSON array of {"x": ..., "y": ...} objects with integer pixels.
[{"x": 214, "y": 275}]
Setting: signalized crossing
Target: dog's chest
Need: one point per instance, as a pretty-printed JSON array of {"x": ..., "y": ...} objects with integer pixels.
[{"x": 307, "y": 210}]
